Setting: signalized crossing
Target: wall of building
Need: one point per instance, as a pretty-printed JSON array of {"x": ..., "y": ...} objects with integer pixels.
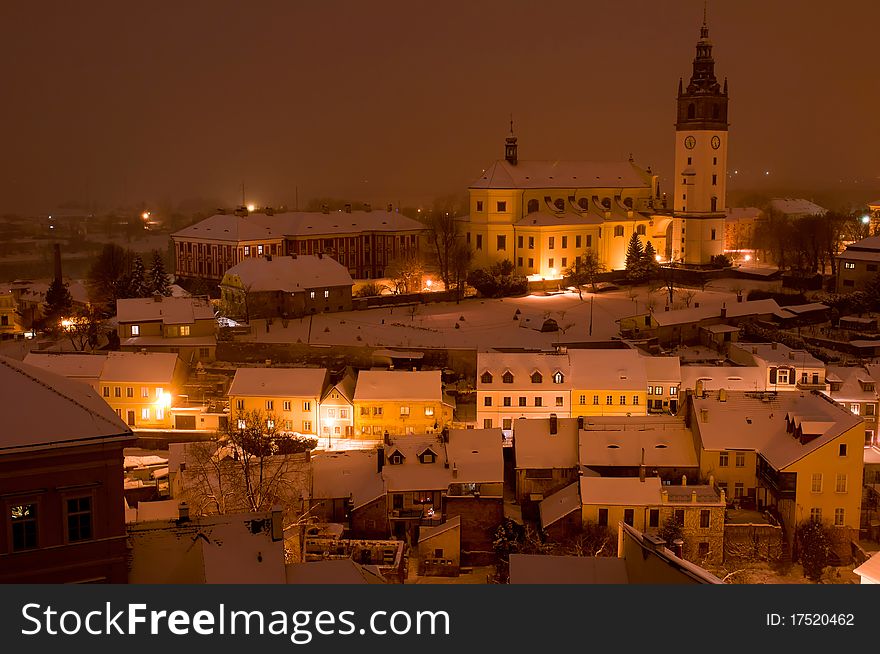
[
  {"x": 301, "y": 417},
  {"x": 480, "y": 517}
]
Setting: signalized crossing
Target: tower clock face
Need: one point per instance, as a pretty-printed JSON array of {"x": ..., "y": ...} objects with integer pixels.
[
  {"x": 690, "y": 142},
  {"x": 716, "y": 142}
]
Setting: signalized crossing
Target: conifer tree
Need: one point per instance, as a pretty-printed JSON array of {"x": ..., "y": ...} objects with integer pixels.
[{"x": 157, "y": 279}]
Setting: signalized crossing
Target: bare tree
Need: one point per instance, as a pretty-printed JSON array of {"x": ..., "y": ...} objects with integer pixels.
[
  {"x": 687, "y": 295},
  {"x": 82, "y": 329},
  {"x": 405, "y": 273},
  {"x": 585, "y": 270}
]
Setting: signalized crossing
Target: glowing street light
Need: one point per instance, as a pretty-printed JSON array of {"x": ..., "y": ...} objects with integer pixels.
[
  {"x": 658, "y": 258},
  {"x": 251, "y": 207},
  {"x": 866, "y": 219},
  {"x": 748, "y": 257},
  {"x": 552, "y": 272},
  {"x": 164, "y": 400},
  {"x": 145, "y": 215}
]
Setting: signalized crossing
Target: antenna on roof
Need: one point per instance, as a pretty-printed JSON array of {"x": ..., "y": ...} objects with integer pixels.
[
  {"x": 511, "y": 123},
  {"x": 243, "y": 203}
]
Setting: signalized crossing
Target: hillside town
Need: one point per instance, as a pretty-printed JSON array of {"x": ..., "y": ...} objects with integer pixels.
[{"x": 575, "y": 375}]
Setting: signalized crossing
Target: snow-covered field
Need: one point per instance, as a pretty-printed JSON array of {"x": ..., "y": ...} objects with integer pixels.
[{"x": 478, "y": 323}]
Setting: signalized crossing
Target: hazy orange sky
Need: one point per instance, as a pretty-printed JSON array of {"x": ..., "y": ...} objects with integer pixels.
[{"x": 118, "y": 102}]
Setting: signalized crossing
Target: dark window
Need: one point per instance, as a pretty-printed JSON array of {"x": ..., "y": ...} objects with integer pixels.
[
  {"x": 537, "y": 377},
  {"x": 692, "y": 110},
  {"x": 628, "y": 515},
  {"x": 654, "y": 518},
  {"x": 479, "y": 205},
  {"x": 522, "y": 401},
  {"x": 532, "y": 206},
  {"x": 502, "y": 242},
  {"x": 79, "y": 519},
  {"x": 704, "y": 519},
  {"x": 703, "y": 550},
  {"x": 397, "y": 501},
  {"x": 519, "y": 241},
  {"x": 679, "y": 516},
  {"x": 479, "y": 241},
  {"x": 502, "y": 206},
  {"x": 486, "y": 378},
  {"x": 603, "y": 517},
  {"x": 841, "y": 450},
  {"x": 24, "y": 526},
  {"x": 507, "y": 377}
]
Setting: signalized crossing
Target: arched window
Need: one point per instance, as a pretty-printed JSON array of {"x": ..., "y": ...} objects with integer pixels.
[
  {"x": 640, "y": 230},
  {"x": 714, "y": 204},
  {"x": 537, "y": 377},
  {"x": 486, "y": 378},
  {"x": 618, "y": 231},
  {"x": 692, "y": 110},
  {"x": 606, "y": 202},
  {"x": 558, "y": 377},
  {"x": 559, "y": 203},
  {"x": 628, "y": 203},
  {"x": 532, "y": 206},
  {"x": 584, "y": 204},
  {"x": 507, "y": 378}
]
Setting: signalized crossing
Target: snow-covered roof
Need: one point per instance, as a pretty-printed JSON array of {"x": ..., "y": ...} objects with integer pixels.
[
  {"x": 776, "y": 354},
  {"x": 168, "y": 310},
  {"x": 559, "y": 505},
  {"x": 544, "y": 219},
  {"x": 426, "y": 533},
  {"x": 731, "y": 378},
  {"x": 620, "y": 491},
  {"x": 665, "y": 443},
  {"x": 743, "y": 213},
  {"x": 72, "y": 366},
  {"x": 754, "y": 421},
  {"x": 403, "y": 385},
  {"x": 151, "y": 367},
  {"x": 477, "y": 454},
  {"x": 563, "y": 174},
  {"x": 278, "y": 382},
  {"x": 608, "y": 370},
  {"x": 851, "y": 379},
  {"x": 42, "y": 409},
  {"x": 289, "y": 274},
  {"x": 869, "y": 571},
  {"x": 696, "y": 314},
  {"x": 522, "y": 365},
  {"x": 535, "y": 447},
  {"x": 263, "y": 227},
  {"x": 352, "y": 473},
  {"x": 662, "y": 368},
  {"x": 800, "y": 309},
  {"x": 797, "y": 206}
]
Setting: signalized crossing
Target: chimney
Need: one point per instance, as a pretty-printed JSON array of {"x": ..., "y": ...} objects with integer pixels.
[
  {"x": 664, "y": 496},
  {"x": 554, "y": 424},
  {"x": 712, "y": 481},
  {"x": 390, "y": 208},
  {"x": 580, "y": 423},
  {"x": 368, "y": 207},
  {"x": 724, "y": 311},
  {"x": 704, "y": 415},
  {"x": 57, "y": 253},
  {"x": 269, "y": 211},
  {"x": 182, "y": 512},
  {"x": 157, "y": 297},
  {"x": 325, "y": 208},
  {"x": 454, "y": 471},
  {"x": 773, "y": 345},
  {"x": 684, "y": 480},
  {"x": 380, "y": 458},
  {"x": 693, "y": 497},
  {"x": 348, "y": 207},
  {"x": 678, "y": 547},
  {"x": 722, "y": 395}
]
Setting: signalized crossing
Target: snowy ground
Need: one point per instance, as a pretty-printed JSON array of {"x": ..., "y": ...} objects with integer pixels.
[{"x": 476, "y": 323}]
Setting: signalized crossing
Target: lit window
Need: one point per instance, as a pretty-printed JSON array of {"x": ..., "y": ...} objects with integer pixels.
[
  {"x": 160, "y": 413},
  {"x": 307, "y": 406},
  {"x": 855, "y": 408},
  {"x": 135, "y": 330},
  {"x": 849, "y": 265},
  {"x": 270, "y": 405},
  {"x": 326, "y": 294},
  {"x": 145, "y": 414},
  {"x": 286, "y": 405},
  {"x": 241, "y": 423},
  {"x": 239, "y": 404},
  {"x": 247, "y": 250},
  {"x": 270, "y": 424},
  {"x": 24, "y": 526},
  {"x": 559, "y": 400},
  {"x": 260, "y": 250},
  {"x": 558, "y": 378},
  {"x": 184, "y": 330},
  {"x": 429, "y": 411},
  {"x": 311, "y": 295},
  {"x": 404, "y": 411},
  {"x": 307, "y": 426},
  {"x": 159, "y": 391},
  {"x": 673, "y": 390}
]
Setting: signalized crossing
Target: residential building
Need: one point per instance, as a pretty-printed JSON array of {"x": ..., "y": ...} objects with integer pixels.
[
  {"x": 365, "y": 242},
  {"x": 798, "y": 455},
  {"x": 287, "y": 397},
  {"x": 275, "y": 286},
  {"x": 513, "y": 384},
  {"x": 185, "y": 326},
  {"x": 439, "y": 549},
  {"x": 348, "y": 488},
  {"x": 869, "y": 571},
  {"x": 697, "y": 324},
  {"x": 740, "y": 224},
  {"x": 795, "y": 208},
  {"x": 857, "y": 265},
  {"x": 399, "y": 403},
  {"x": 664, "y": 384},
  {"x": 10, "y": 320},
  {"x": 142, "y": 387},
  {"x": 785, "y": 369},
  {"x": 855, "y": 388},
  {"x": 545, "y": 457},
  {"x": 702, "y": 379},
  {"x": 237, "y": 548},
  {"x": 336, "y": 410},
  {"x": 608, "y": 382},
  {"x": 61, "y": 475}
]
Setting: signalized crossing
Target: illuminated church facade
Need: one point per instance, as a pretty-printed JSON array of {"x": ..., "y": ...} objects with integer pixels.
[{"x": 543, "y": 215}]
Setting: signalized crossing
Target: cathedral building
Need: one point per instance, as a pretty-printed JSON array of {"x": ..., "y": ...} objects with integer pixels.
[{"x": 543, "y": 215}]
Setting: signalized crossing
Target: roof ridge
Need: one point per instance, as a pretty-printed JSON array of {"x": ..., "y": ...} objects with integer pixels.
[{"x": 4, "y": 361}]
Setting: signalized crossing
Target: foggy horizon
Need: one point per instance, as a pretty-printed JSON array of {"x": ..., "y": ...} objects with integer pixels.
[{"x": 119, "y": 104}]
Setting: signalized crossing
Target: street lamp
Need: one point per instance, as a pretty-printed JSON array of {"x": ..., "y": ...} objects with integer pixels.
[{"x": 251, "y": 207}]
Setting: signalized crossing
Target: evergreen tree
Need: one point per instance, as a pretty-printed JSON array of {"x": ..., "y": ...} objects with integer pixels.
[
  {"x": 137, "y": 282},
  {"x": 652, "y": 267},
  {"x": 635, "y": 260},
  {"x": 58, "y": 303},
  {"x": 815, "y": 548},
  {"x": 157, "y": 280}
]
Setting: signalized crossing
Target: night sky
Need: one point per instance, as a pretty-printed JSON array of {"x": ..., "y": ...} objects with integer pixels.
[{"x": 119, "y": 102}]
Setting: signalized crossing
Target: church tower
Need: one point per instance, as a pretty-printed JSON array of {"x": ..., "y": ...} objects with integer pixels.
[{"x": 700, "y": 160}]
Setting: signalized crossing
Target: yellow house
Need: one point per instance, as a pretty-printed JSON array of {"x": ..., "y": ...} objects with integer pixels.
[
  {"x": 402, "y": 403},
  {"x": 180, "y": 325},
  {"x": 798, "y": 455},
  {"x": 608, "y": 383},
  {"x": 142, "y": 387},
  {"x": 289, "y": 396},
  {"x": 9, "y": 319}
]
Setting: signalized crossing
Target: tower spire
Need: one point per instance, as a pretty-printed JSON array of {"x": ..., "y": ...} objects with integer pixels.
[
  {"x": 704, "y": 30},
  {"x": 510, "y": 146}
]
